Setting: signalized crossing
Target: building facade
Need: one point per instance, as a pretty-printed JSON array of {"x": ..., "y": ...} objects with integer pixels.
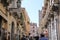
[
  {"x": 51, "y": 19},
  {"x": 40, "y": 17},
  {"x": 33, "y": 30},
  {"x": 10, "y": 22},
  {"x": 26, "y": 21}
]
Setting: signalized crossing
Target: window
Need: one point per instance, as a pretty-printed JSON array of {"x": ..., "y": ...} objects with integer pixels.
[
  {"x": 0, "y": 24},
  {"x": 52, "y": 1},
  {"x": 12, "y": 31},
  {"x": 28, "y": 22},
  {"x": 18, "y": 3},
  {"x": 34, "y": 31},
  {"x": 15, "y": 14},
  {"x": 55, "y": 8},
  {"x": 47, "y": 0},
  {"x": 52, "y": 25},
  {"x": 12, "y": 28},
  {"x": 33, "y": 27},
  {"x": 5, "y": 3}
]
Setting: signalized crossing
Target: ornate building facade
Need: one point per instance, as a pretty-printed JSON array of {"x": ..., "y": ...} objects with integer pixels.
[
  {"x": 51, "y": 19},
  {"x": 10, "y": 20},
  {"x": 26, "y": 21}
]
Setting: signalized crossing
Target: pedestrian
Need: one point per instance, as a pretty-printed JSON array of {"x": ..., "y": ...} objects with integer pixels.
[
  {"x": 31, "y": 38},
  {"x": 37, "y": 38},
  {"x": 23, "y": 37},
  {"x": 43, "y": 37},
  {"x": 27, "y": 37}
]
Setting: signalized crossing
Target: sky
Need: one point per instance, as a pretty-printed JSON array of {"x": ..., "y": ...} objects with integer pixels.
[{"x": 32, "y": 7}]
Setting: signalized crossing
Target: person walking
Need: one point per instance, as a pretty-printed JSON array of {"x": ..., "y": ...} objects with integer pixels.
[
  {"x": 23, "y": 38},
  {"x": 27, "y": 37},
  {"x": 31, "y": 38},
  {"x": 37, "y": 38},
  {"x": 43, "y": 37}
]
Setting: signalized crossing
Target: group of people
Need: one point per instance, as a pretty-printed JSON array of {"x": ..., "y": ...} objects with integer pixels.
[
  {"x": 42, "y": 37},
  {"x": 27, "y": 38}
]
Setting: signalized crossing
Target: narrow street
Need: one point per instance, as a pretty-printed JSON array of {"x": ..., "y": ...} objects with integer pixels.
[{"x": 29, "y": 19}]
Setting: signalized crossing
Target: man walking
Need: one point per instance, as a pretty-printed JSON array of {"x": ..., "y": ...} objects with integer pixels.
[
  {"x": 23, "y": 38},
  {"x": 43, "y": 37}
]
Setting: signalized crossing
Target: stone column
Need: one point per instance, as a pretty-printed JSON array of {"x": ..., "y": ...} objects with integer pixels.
[
  {"x": 55, "y": 25},
  {"x": 52, "y": 29},
  {"x": 49, "y": 30}
]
